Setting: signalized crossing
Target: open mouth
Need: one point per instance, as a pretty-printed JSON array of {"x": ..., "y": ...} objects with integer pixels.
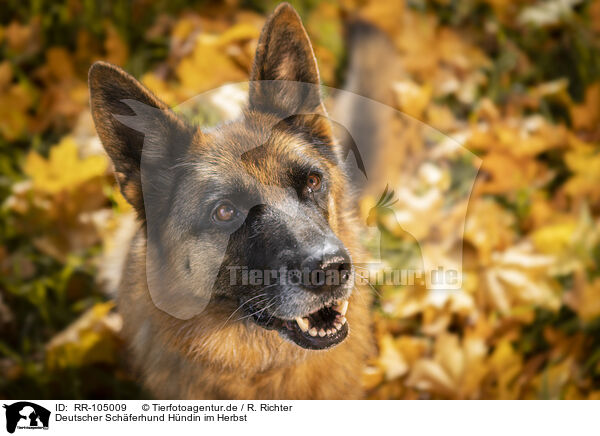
[{"x": 318, "y": 330}]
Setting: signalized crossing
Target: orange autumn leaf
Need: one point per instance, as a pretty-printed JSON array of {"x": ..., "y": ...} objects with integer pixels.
[{"x": 587, "y": 114}]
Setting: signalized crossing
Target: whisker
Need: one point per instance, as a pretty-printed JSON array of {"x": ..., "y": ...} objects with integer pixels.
[
  {"x": 268, "y": 305},
  {"x": 374, "y": 290},
  {"x": 276, "y": 309},
  {"x": 240, "y": 306},
  {"x": 258, "y": 311},
  {"x": 262, "y": 294},
  {"x": 252, "y": 314}
]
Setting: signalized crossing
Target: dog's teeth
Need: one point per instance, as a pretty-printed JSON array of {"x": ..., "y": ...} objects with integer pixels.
[
  {"x": 329, "y": 332},
  {"x": 312, "y": 332},
  {"x": 303, "y": 323},
  {"x": 322, "y": 333},
  {"x": 343, "y": 320},
  {"x": 341, "y": 307},
  {"x": 337, "y": 325}
]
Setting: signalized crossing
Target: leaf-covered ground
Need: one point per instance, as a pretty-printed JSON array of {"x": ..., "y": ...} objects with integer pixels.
[{"x": 516, "y": 82}]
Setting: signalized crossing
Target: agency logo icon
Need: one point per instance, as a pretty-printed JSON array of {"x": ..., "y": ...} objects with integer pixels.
[{"x": 27, "y": 416}]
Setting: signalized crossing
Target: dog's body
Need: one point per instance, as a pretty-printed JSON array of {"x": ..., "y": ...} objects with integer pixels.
[{"x": 220, "y": 353}]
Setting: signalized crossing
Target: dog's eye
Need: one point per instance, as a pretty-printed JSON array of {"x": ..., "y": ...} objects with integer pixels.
[
  {"x": 313, "y": 182},
  {"x": 224, "y": 212}
]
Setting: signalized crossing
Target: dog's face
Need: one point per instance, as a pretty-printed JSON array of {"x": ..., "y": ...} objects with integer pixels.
[{"x": 246, "y": 212}]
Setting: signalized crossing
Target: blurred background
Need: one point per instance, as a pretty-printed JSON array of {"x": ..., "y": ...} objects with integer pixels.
[{"x": 516, "y": 82}]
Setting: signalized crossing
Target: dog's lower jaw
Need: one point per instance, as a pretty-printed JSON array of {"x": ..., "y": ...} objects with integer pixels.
[{"x": 322, "y": 329}]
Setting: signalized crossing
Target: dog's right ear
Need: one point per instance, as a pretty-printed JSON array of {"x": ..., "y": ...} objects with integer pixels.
[{"x": 128, "y": 119}]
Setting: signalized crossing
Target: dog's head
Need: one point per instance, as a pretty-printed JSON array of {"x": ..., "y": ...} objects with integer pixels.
[{"x": 247, "y": 212}]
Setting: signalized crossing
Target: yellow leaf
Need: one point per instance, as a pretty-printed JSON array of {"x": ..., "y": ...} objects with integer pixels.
[
  {"x": 237, "y": 33},
  {"x": 371, "y": 377},
  {"x": 412, "y": 98},
  {"x": 64, "y": 169},
  {"x": 386, "y": 15},
  {"x": 519, "y": 275},
  {"x": 428, "y": 375},
  {"x": 585, "y": 298},
  {"x": 90, "y": 339},
  {"x": 507, "y": 365},
  {"x": 207, "y": 67},
  {"x": 554, "y": 239},
  {"x": 456, "y": 369},
  {"x": 584, "y": 162},
  {"x": 489, "y": 227},
  {"x": 390, "y": 359}
]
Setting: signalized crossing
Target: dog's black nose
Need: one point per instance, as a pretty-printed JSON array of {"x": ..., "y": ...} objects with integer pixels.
[{"x": 328, "y": 270}]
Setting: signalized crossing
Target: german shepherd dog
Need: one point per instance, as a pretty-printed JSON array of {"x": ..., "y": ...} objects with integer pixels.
[{"x": 281, "y": 341}]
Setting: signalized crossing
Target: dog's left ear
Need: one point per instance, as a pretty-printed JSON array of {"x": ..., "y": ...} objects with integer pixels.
[{"x": 284, "y": 54}]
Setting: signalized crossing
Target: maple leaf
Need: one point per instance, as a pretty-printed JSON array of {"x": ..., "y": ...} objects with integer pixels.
[
  {"x": 64, "y": 170},
  {"x": 92, "y": 338},
  {"x": 455, "y": 370},
  {"x": 519, "y": 275}
]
